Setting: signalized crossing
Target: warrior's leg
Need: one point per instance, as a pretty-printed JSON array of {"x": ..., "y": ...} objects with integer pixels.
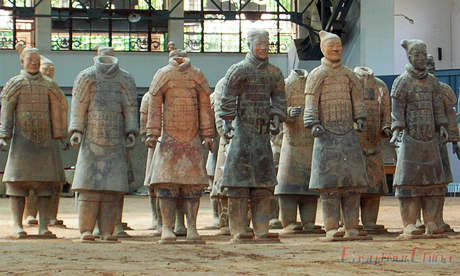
[
  {"x": 179, "y": 227},
  {"x": 118, "y": 230},
  {"x": 191, "y": 208},
  {"x": 350, "y": 211},
  {"x": 288, "y": 213},
  {"x": 307, "y": 209},
  {"x": 54, "y": 205},
  {"x": 152, "y": 201},
  {"x": 419, "y": 224},
  {"x": 369, "y": 210},
  {"x": 88, "y": 211},
  {"x": 261, "y": 210},
  {"x": 160, "y": 221},
  {"x": 431, "y": 209},
  {"x": 30, "y": 212},
  {"x": 409, "y": 208},
  {"x": 215, "y": 211},
  {"x": 330, "y": 203},
  {"x": 223, "y": 216},
  {"x": 442, "y": 225},
  {"x": 238, "y": 213},
  {"x": 108, "y": 215},
  {"x": 43, "y": 204},
  {"x": 17, "y": 204},
  {"x": 275, "y": 223},
  {"x": 167, "y": 195}
]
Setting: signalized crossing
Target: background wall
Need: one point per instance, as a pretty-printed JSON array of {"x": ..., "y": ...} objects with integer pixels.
[
  {"x": 433, "y": 25},
  {"x": 141, "y": 65}
]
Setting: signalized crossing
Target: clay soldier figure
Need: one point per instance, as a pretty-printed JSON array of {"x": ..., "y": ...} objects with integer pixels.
[
  {"x": 254, "y": 98},
  {"x": 179, "y": 112},
  {"x": 378, "y": 128},
  {"x": 47, "y": 69},
  {"x": 154, "y": 204},
  {"x": 276, "y": 142},
  {"x": 418, "y": 112},
  {"x": 295, "y": 163},
  {"x": 217, "y": 190},
  {"x": 34, "y": 117},
  {"x": 333, "y": 103},
  {"x": 104, "y": 124},
  {"x": 449, "y": 100}
]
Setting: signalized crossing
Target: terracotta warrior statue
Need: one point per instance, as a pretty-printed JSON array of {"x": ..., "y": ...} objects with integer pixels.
[
  {"x": 254, "y": 98},
  {"x": 217, "y": 190},
  {"x": 295, "y": 162},
  {"x": 179, "y": 112},
  {"x": 34, "y": 117},
  {"x": 48, "y": 70},
  {"x": 104, "y": 124},
  {"x": 449, "y": 100},
  {"x": 333, "y": 102},
  {"x": 418, "y": 113},
  {"x": 154, "y": 204},
  {"x": 378, "y": 128}
]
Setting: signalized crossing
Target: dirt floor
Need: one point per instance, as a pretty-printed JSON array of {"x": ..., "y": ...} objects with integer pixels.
[{"x": 299, "y": 255}]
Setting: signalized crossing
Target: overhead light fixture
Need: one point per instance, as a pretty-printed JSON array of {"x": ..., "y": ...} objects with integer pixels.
[
  {"x": 134, "y": 18},
  {"x": 411, "y": 21}
]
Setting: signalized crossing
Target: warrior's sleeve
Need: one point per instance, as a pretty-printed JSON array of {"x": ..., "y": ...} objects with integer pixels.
[
  {"x": 359, "y": 108},
  {"x": 440, "y": 117},
  {"x": 206, "y": 114},
  {"x": 278, "y": 96},
  {"x": 154, "y": 114},
  {"x": 9, "y": 97},
  {"x": 398, "y": 103},
  {"x": 144, "y": 111},
  {"x": 385, "y": 114},
  {"x": 232, "y": 88},
  {"x": 449, "y": 100},
  {"x": 216, "y": 99},
  {"x": 129, "y": 103},
  {"x": 81, "y": 95},
  {"x": 59, "y": 109},
  {"x": 312, "y": 95}
]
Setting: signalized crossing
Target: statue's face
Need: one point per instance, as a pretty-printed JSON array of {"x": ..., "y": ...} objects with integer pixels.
[
  {"x": 332, "y": 49},
  {"x": 259, "y": 48},
  {"x": 31, "y": 63},
  {"x": 418, "y": 58},
  {"x": 48, "y": 70},
  {"x": 171, "y": 47}
]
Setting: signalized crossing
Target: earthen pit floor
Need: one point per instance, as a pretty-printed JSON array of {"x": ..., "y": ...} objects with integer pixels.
[{"x": 300, "y": 255}]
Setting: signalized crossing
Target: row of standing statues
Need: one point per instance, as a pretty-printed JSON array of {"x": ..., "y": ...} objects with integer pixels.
[{"x": 330, "y": 124}]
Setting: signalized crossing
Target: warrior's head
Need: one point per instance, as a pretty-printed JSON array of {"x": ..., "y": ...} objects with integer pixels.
[
  {"x": 416, "y": 53},
  {"x": 430, "y": 65},
  {"x": 171, "y": 46},
  {"x": 30, "y": 58},
  {"x": 331, "y": 46},
  {"x": 258, "y": 42},
  {"x": 47, "y": 67}
]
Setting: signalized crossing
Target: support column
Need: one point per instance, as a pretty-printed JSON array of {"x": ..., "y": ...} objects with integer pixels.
[
  {"x": 176, "y": 27},
  {"x": 43, "y": 27}
]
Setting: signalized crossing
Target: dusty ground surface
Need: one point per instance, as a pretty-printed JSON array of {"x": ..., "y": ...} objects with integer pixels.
[{"x": 300, "y": 255}]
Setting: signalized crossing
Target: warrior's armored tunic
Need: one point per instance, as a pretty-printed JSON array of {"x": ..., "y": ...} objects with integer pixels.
[
  {"x": 253, "y": 94},
  {"x": 417, "y": 109},
  {"x": 297, "y": 146},
  {"x": 377, "y": 100},
  {"x": 334, "y": 100},
  {"x": 144, "y": 113},
  {"x": 104, "y": 109},
  {"x": 34, "y": 115},
  {"x": 180, "y": 113},
  {"x": 449, "y": 100}
]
